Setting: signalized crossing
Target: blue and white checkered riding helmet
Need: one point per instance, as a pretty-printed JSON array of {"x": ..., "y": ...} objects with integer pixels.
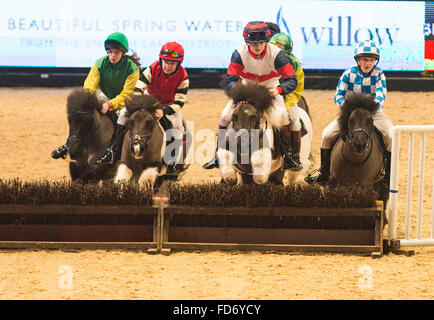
[{"x": 367, "y": 48}]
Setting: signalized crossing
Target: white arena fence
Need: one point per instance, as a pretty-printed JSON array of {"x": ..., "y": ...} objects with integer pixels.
[{"x": 425, "y": 161}]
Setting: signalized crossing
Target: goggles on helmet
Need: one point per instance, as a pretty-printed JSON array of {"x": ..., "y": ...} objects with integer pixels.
[
  {"x": 256, "y": 37},
  {"x": 169, "y": 53}
]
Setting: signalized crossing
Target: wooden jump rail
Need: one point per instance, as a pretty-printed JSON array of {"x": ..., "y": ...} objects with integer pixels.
[
  {"x": 154, "y": 229},
  {"x": 80, "y": 227},
  {"x": 369, "y": 241}
]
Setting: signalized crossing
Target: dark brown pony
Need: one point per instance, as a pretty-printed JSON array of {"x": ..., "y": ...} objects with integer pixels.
[
  {"x": 89, "y": 136},
  {"x": 358, "y": 155},
  {"x": 143, "y": 146}
]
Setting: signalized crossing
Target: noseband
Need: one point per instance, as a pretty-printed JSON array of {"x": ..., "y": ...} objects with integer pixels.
[
  {"x": 258, "y": 118},
  {"x": 351, "y": 141},
  {"x": 365, "y": 133},
  {"x": 142, "y": 140}
]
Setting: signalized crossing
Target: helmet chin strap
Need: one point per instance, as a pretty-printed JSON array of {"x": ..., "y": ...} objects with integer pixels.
[
  {"x": 369, "y": 73},
  {"x": 178, "y": 64}
]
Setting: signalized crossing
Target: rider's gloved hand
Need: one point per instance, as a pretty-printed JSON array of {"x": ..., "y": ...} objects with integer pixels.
[{"x": 105, "y": 107}]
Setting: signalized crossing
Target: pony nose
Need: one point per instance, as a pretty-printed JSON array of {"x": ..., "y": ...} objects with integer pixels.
[{"x": 360, "y": 148}]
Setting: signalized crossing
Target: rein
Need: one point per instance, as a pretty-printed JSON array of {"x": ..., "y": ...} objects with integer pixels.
[{"x": 84, "y": 113}]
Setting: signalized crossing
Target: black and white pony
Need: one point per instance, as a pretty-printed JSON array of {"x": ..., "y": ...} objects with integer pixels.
[{"x": 144, "y": 142}]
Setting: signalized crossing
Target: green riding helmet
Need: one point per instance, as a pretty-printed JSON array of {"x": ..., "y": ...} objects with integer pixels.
[
  {"x": 284, "y": 40},
  {"x": 118, "y": 41}
]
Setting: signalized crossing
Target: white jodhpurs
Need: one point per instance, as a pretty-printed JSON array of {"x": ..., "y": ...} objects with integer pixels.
[
  {"x": 122, "y": 116},
  {"x": 276, "y": 115},
  {"x": 294, "y": 118},
  {"x": 176, "y": 120},
  {"x": 381, "y": 122}
]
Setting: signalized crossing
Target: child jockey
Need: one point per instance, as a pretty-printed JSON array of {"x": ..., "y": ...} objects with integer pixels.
[
  {"x": 115, "y": 75},
  {"x": 168, "y": 81},
  {"x": 284, "y": 42},
  {"x": 257, "y": 61},
  {"x": 365, "y": 77}
]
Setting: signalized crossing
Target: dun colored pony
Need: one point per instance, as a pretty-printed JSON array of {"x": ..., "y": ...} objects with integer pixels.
[
  {"x": 144, "y": 142},
  {"x": 89, "y": 135},
  {"x": 252, "y": 152},
  {"x": 357, "y": 156}
]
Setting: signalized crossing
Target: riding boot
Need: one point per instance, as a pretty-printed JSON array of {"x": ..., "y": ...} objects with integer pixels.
[
  {"x": 61, "y": 152},
  {"x": 324, "y": 170},
  {"x": 285, "y": 147},
  {"x": 296, "y": 146},
  {"x": 177, "y": 166},
  {"x": 114, "y": 146},
  {"x": 213, "y": 163}
]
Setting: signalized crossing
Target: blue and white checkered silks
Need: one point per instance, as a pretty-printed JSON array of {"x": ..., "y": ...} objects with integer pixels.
[
  {"x": 367, "y": 47},
  {"x": 353, "y": 80}
]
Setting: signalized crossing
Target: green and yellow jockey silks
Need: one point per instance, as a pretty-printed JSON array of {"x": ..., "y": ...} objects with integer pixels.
[{"x": 284, "y": 42}]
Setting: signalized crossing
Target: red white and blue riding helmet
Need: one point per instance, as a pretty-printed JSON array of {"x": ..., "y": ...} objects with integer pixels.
[
  {"x": 367, "y": 48},
  {"x": 256, "y": 31}
]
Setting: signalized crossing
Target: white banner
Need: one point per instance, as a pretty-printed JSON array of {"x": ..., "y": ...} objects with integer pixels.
[{"x": 71, "y": 33}]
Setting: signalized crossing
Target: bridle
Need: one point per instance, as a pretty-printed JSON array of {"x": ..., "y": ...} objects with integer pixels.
[
  {"x": 257, "y": 126},
  {"x": 258, "y": 118},
  {"x": 365, "y": 133},
  {"x": 351, "y": 141},
  {"x": 141, "y": 139}
]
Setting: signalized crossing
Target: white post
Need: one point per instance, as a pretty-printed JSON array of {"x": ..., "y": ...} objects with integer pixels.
[
  {"x": 409, "y": 185},
  {"x": 420, "y": 195},
  {"x": 394, "y": 179},
  {"x": 432, "y": 208}
]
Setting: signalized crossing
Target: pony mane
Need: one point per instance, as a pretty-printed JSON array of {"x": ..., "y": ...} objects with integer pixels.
[
  {"x": 352, "y": 102},
  {"x": 146, "y": 102},
  {"x": 256, "y": 95},
  {"x": 81, "y": 100}
]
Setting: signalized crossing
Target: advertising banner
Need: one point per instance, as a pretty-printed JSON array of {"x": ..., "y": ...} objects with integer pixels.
[{"x": 71, "y": 33}]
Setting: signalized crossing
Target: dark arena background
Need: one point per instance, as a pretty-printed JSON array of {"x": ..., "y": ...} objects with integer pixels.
[{"x": 199, "y": 239}]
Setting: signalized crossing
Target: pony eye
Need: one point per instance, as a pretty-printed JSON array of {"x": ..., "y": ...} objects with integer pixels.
[{"x": 234, "y": 117}]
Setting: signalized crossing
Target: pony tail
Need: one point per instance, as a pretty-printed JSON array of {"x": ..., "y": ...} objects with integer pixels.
[{"x": 135, "y": 58}]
